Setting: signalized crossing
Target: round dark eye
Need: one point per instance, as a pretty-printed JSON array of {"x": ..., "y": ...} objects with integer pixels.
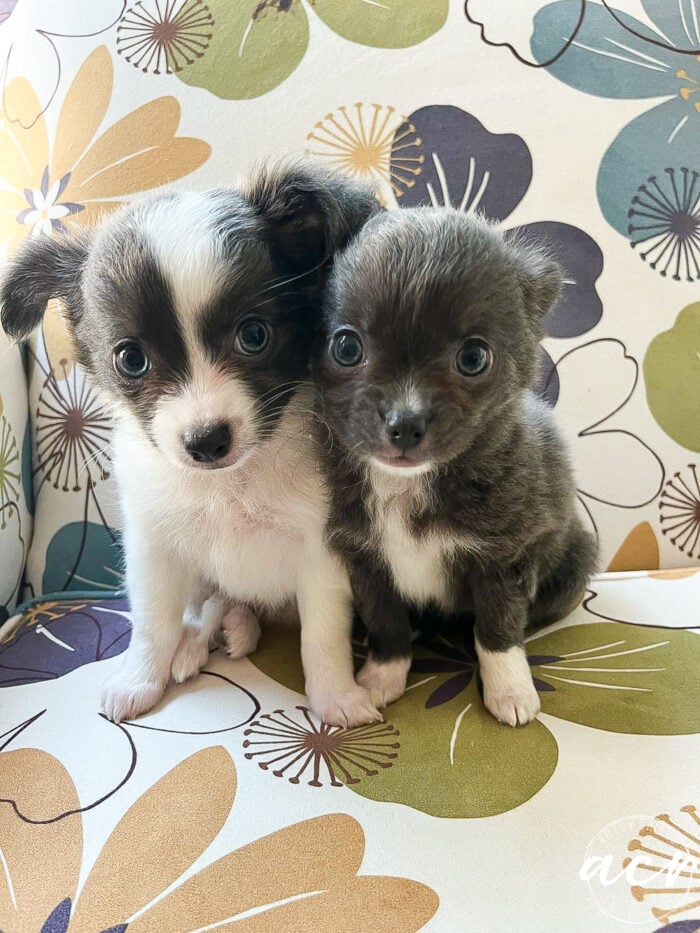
[
  {"x": 347, "y": 348},
  {"x": 252, "y": 337},
  {"x": 474, "y": 357},
  {"x": 130, "y": 360}
]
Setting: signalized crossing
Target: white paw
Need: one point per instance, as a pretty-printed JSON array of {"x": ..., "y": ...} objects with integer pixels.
[
  {"x": 191, "y": 655},
  {"x": 515, "y": 708},
  {"x": 509, "y": 693},
  {"x": 241, "y": 631},
  {"x": 126, "y": 698},
  {"x": 349, "y": 709},
  {"x": 385, "y": 681}
]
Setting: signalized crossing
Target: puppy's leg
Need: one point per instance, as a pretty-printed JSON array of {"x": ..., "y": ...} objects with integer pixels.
[
  {"x": 325, "y": 609},
  {"x": 201, "y": 623},
  {"x": 388, "y": 625},
  {"x": 567, "y": 574},
  {"x": 501, "y": 616},
  {"x": 158, "y": 585},
  {"x": 241, "y": 631}
]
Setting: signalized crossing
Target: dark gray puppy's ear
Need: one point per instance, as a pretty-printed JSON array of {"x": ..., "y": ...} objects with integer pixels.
[
  {"x": 541, "y": 279},
  {"x": 42, "y": 269},
  {"x": 312, "y": 211}
]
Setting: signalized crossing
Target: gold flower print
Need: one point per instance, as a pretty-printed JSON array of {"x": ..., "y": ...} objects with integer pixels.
[
  {"x": 80, "y": 175},
  {"x": 668, "y": 852},
  {"x": 373, "y": 143},
  {"x": 302, "y": 877}
]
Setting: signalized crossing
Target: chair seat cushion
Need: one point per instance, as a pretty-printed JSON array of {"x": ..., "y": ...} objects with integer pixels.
[{"x": 231, "y": 801}]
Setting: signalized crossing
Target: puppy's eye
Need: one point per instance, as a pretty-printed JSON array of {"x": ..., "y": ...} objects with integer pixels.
[
  {"x": 347, "y": 348},
  {"x": 474, "y": 357},
  {"x": 130, "y": 360},
  {"x": 252, "y": 337}
]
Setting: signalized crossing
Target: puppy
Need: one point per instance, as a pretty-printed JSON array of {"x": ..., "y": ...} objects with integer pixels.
[
  {"x": 451, "y": 489},
  {"x": 194, "y": 314}
]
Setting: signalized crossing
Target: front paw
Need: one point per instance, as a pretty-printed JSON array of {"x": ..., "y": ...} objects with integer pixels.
[
  {"x": 241, "y": 632},
  {"x": 348, "y": 709},
  {"x": 126, "y": 698},
  {"x": 385, "y": 681},
  {"x": 514, "y": 707},
  {"x": 191, "y": 655}
]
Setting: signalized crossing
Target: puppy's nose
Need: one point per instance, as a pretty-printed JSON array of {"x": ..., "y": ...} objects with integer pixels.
[
  {"x": 406, "y": 429},
  {"x": 208, "y": 445}
]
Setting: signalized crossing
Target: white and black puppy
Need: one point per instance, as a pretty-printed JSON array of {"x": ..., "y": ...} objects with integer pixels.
[
  {"x": 450, "y": 486},
  {"x": 195, "y": 314}
]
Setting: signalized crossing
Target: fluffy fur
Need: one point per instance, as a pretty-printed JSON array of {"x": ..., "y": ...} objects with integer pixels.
[
  {"x": 450, "y": 492},
  {"x": 213, "y": 445}
]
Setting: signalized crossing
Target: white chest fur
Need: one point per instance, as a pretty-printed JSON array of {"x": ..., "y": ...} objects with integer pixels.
[
  {"x": 246, "y": 529},
  {"x": 417, "y": 561}
]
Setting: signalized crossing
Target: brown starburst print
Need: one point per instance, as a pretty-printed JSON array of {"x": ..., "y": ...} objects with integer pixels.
[
  {"x": 9, "y": 469},
  {"x": 291, "y": 745},
  {"x": 72, "y": 432},
  {"x": 164, "y": 36},
  {"x": 679, "y": 508}
]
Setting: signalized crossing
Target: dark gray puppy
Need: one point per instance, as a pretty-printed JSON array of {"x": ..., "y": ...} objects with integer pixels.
[{"x": 450, "y": 485}]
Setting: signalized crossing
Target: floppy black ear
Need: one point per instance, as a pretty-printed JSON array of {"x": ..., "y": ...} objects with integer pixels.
[
  {"x": 541, "y": 279},
  {"x": 311, "y": 210},
  {"x": 43, "y": 268}
]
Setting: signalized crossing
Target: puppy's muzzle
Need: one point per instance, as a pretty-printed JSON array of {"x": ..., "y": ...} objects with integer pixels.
[
  {"x": 405, "y": 429},
  {"x": 209, "y": 444}
]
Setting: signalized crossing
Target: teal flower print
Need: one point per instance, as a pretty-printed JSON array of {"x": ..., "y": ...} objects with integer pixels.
[{"x": 648, "y": 183}]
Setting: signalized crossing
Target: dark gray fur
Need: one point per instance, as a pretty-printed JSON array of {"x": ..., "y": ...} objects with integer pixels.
[{"x": 414, "y": 284}]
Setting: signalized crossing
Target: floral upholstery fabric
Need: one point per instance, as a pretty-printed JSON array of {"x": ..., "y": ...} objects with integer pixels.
[
  {"x": 230, "y": 806},
  {"x": 15, "y": 479},
  {"x": 574, "y": 122}
]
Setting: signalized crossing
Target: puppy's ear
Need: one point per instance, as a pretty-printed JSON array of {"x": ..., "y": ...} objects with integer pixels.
[
  {"x": 43, "y": 268},
  {"x": 541, "y": 279},
  {"x": 311, "y": 211}
]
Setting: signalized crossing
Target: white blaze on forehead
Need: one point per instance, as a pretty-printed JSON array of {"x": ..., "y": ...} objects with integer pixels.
[
  {"x": 208, "y": 398},
  {"x": 182, "y": 233}
]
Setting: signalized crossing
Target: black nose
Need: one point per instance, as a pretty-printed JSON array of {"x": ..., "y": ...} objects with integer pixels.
[
  {"x": 208, "y": 445},
  {"x": 406, "y": 429}
]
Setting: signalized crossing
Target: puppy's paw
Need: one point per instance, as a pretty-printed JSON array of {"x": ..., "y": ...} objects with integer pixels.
[
  {"x": 347, "y": 710},
  {"x": 509, "y": 693},
  {"x": 126, "y": 699},
  {"x": 385, "y": 681},
  {"x": 516, "y": 707},
  {"x": 191, "y": 655},
  {"x": 241, "y": 632}
]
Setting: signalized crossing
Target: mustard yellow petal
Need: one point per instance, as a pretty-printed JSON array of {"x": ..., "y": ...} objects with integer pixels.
[
  {"x": 83, "y": 110},
  {"x": 160, "y": 836},
  {"x": 14, "y": 169},
  {"x": 678, "y": 574},
  {"x": 151, "y": 125},
  {"x": 93, "y": 214},
  {"x": 150, "y": 169},
  {"x": 42, "y": 853},
  {"x": 57, "y": 339},
  {"x": 639, "y": 550},
  {"x": 32, "y": 141},
  {"x": 12, "y": 232},
  {"x": 368, "y": 904},
  {"x": 313, "y": 855}
]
